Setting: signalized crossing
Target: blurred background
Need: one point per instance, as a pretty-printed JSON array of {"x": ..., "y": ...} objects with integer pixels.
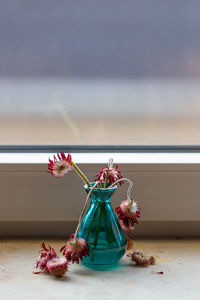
[{"x": 99, "y": 72}]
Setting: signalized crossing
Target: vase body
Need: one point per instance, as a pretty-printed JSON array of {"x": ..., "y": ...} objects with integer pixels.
[{"x": 101, "y": 228}]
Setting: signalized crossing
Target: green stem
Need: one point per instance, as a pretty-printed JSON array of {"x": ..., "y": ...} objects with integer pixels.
[
  {"x": 97, "y": 233},
  {"x": 91, "y": 224},
  {"x": 107, "y": 230}
]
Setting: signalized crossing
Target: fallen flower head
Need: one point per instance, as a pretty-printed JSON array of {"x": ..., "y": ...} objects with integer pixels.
[
  {"x": 75, "y": 249},
  {"x": 60, "y": 165},
  {"x": 57, "y": 266},
  {"x": 140, "y": 259},
  {"x": 50, "y": 262},
  {"x": 47, "y": 253},
  {"x": 128, "y": 214}
]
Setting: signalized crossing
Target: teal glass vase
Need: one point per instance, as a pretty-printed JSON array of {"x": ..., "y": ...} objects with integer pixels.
[{"x": 101, "y": 228}]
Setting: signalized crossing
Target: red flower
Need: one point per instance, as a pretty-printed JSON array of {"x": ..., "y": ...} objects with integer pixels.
[
  {"x": 57, "y": 266},
  {"x": 128, "y": 213},
  {"x": 60, "y": 166},
  {"x": 140, "y": 259},
  {"x": 46, "y": 255},
  {"x": 75, "y": 249},
  {"x": 113, "y": 175}
]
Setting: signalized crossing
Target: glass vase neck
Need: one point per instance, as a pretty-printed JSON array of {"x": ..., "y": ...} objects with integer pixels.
[{"x": 100, "y": 194}]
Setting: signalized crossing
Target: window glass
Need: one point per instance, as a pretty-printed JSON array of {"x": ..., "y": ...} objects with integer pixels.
[{"x": 99, "y": 72}]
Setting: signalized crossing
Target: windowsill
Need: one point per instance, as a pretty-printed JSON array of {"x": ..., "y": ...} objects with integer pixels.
[
  {"x": 102, "y": 158},
  {"x": 177, "y": 259}
]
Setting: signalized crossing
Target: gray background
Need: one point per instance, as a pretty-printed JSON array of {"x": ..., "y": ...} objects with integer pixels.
[{"x": 101, "y": 38}]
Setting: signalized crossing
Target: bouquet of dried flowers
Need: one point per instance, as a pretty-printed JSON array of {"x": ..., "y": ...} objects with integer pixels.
[{"x": 76, "y": 248}]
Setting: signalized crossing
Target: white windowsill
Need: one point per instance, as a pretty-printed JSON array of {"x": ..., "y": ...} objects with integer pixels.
[{"x": 93, "y": 158}]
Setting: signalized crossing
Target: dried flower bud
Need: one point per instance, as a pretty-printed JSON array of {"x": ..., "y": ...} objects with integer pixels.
[
  {"x": 57, "y": 266},
  {"x": 113, "y": 175},
  {"x": 140, "y": 259}
]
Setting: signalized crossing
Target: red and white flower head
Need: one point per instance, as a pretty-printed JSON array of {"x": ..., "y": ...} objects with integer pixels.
[
  {"x": 128, "y": 214},
  {"x": 60, "y": 165},
  {"x": 57, "y": 266},
  {"x": 142, "y": 260},
  {"x": 113, "y": 175},
  {"x": 46, "y": 255},
  {"x": 75, "y": 249}
]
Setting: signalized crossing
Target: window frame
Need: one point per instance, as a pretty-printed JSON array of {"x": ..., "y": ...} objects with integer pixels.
[
  {"x": 30, "y": 183},
  {"x": 100, "y": 148}
]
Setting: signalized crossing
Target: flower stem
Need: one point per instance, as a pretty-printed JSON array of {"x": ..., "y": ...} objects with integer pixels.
[
  {"x": 80, "y": 173},
  {"x": 129, "y": 188},
  {"x": 110, "y": 165},
  {"x": 106, "y": 224},
  {"x": 106, "y": 179},
  {"x": 91, "y": 224},
  {"x": 97, "y": 232},
  {"x": 84, "y": 208}
]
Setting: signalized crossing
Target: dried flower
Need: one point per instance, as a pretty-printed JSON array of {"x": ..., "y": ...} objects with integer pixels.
[
  {"x": 128, "y": 213},
  {"x": 46, "y": 255},
  {"x": 140, "y": 259},
  {"x": 60, "y": 166},
  {"x": 75, "y": 249},
  {"x": 57, "y": 266},
  {"x": 113, "y": 175}
]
